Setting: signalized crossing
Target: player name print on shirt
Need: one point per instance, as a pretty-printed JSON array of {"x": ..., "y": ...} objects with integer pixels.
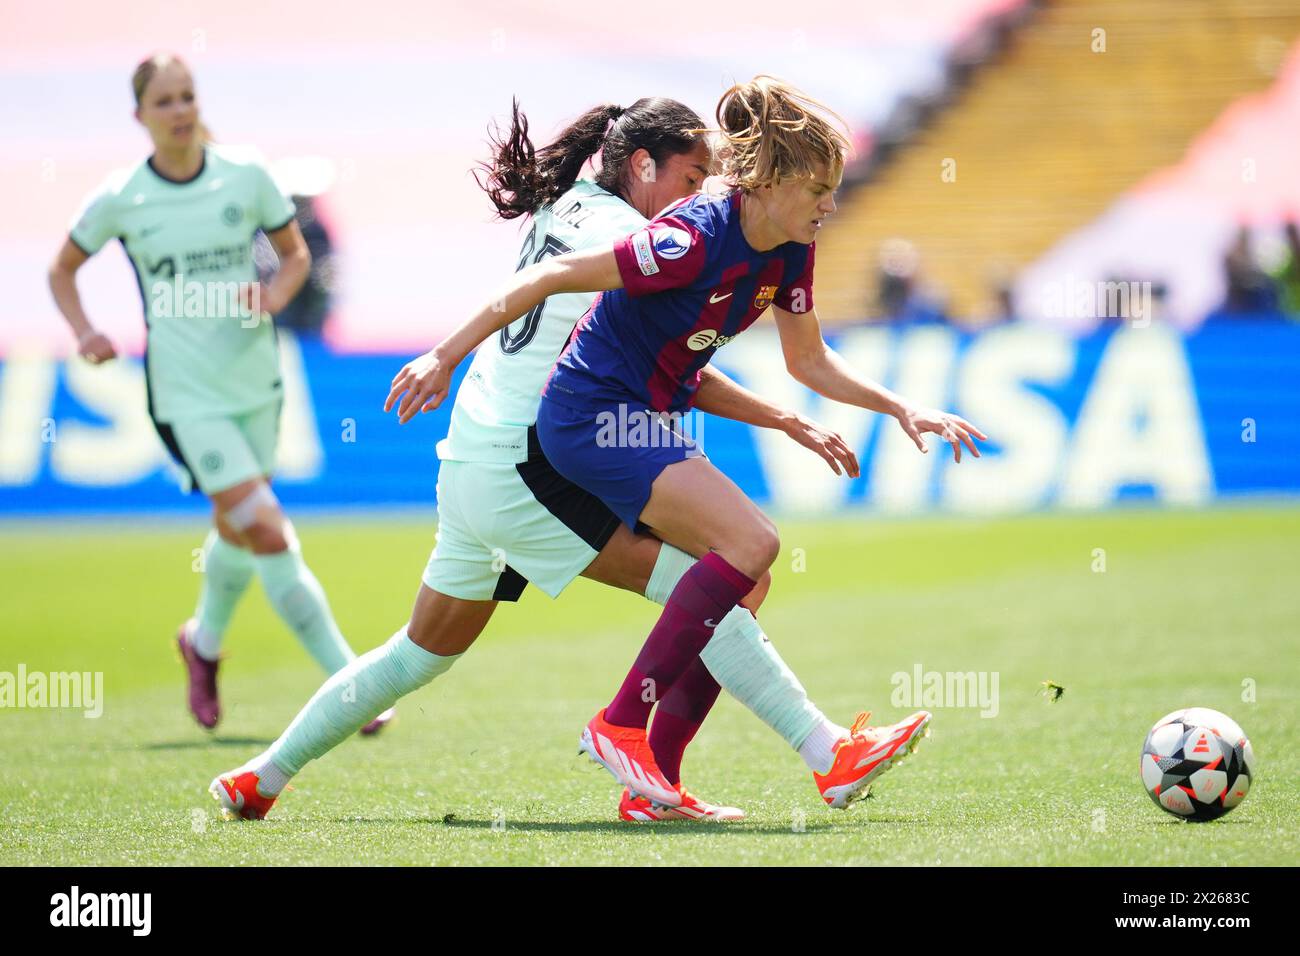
[{"x": 573, "y": 213}]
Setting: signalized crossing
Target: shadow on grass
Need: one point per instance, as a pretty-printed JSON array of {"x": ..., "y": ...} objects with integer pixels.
[
  {"x": 206, "y": 742},
  {"x": 675, "y": 827}
]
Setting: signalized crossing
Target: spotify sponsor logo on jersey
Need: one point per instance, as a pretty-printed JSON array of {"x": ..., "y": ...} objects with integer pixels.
[{"x": 701, "y": 340}]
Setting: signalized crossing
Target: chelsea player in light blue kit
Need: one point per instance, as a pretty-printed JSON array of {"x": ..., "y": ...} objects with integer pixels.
[
  {"x": 186, "y": 218},
  {"x": 506, "y": 518}
]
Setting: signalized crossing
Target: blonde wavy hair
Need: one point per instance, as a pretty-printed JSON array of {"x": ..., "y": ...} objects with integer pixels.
[
  {"x": 769, "y": 131},
  {"x": 148, "y": 68}
]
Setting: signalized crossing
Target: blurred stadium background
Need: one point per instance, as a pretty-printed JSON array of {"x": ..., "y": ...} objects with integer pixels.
[
  {"x": 1073, "y": 221},
  {"x": 1076, "y": 220}
]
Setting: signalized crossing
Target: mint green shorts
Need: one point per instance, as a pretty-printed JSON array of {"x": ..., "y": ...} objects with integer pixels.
[
  {"x": 501, "y": 526},
  {"x": 220, "y": 452}
]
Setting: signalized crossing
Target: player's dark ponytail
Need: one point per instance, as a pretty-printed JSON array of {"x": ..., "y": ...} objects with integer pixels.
[{"x": 521, "y": 180}]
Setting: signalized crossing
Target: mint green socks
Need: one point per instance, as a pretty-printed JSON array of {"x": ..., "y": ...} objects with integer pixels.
[
  {"x": 227, "y": 569},
  {"x": 300, "y": 601},
  {"x": 367, "y": 686}
]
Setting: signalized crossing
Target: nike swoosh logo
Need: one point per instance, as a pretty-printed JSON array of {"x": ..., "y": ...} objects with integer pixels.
[
  {"x": 714, "y": 299},
  {"x": 150, "y": 230},
  {"x": 709, "y": 622}
]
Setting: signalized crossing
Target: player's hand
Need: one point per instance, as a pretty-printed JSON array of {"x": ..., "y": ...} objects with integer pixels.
[
  {"x": 425, "y": 380},
  {"x": 95, "y": 347},
  {"x": 953, "y": 429},
  {"x": 824, "y": 442},
  {"x": 257, "y": 298}
]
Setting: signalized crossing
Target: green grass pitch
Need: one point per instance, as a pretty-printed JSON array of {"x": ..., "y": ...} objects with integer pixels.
[{"x": 481, "y": 767}]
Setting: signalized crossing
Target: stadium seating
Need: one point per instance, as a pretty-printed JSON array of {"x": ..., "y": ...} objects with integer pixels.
[{"x": 1048, "y": 135}]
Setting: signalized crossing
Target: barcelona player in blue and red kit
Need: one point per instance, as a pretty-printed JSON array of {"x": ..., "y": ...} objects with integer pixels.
[
  {"x": 674, "y": 292},
  {"x": 691, "y": 283}
]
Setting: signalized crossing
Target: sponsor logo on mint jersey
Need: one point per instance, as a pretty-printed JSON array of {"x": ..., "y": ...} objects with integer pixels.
[
  {"x": 232, "y": 214},
  {"x": 671, "y": 242},
  {"x": 645, "y": 258},
  {"x": 212, "y": 461},
  {"x": 715, "y": 298},
  {"x": 766, "y": 293},
  {"x": 196, "y": 261},
  {"x": 703, "y": 339}
]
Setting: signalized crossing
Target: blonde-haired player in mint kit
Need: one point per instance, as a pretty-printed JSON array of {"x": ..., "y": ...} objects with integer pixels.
[
  {"x": 189, "y": 214},
  {"x": 499, "y": 498}
]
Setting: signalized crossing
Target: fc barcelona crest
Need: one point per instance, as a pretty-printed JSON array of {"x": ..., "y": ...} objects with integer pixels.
[{"x": 766, "y": 293}]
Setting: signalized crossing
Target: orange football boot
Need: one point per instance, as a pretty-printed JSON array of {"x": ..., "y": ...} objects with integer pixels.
[
  {"x": 644, "y": 810},
  {"x": 239, "y": 797},
  {"x": 625, "y": 752},
  {"x": 866, "y": 753}
]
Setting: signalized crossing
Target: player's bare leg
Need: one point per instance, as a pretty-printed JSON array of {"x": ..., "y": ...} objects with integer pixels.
[
  {"x": 248, "y": 522},
  {"x": 253, "y": 512},
  {"x": 696, "y": 507},
  {"x": 442, "y": 627},
  {"x": 445, "y": 625}
]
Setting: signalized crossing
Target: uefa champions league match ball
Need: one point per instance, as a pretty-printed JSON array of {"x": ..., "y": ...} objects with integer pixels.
[{"x": 1197, "y": 763}]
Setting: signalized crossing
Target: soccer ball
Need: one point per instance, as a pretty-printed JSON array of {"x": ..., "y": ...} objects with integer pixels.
[{"x": 1197, "y": 763}]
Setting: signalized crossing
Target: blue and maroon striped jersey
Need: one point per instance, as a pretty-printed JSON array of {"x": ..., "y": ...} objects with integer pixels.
[{"x": 691, "y": 283}]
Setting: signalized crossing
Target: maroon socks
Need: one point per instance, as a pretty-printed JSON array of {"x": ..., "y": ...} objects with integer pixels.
[
  {"x": 703, "y": 597},
  {"x": 680, "y": 715}
]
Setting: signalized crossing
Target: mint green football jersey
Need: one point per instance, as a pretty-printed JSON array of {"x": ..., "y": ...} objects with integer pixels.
[
  {"x": 499, "y": 395},
  {"x": 191, "y": 245}
]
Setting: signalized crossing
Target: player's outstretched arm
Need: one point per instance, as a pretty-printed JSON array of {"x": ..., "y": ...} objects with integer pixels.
[
  {"x": 726, "y": 398},
  {"x": 425, "y": 380},
  {"x": 814, "y": 363},
  {"x": 92, "y": 345}
]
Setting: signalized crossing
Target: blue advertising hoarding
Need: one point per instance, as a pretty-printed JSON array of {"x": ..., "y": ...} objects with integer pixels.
[{"x": 1126, "y": 413}]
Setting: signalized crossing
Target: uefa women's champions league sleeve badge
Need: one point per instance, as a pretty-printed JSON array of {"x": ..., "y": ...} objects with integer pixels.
[
  {"x": 660, "y": 242},
  {"x": 671, "y": 242}
]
